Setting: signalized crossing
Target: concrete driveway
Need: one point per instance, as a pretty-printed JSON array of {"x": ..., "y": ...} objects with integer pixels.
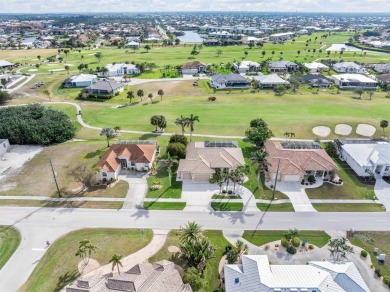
[
  {"x": 297, "y": 196},
  {"x": 382, "y": 192},
  {"x": 138, "y": 188},
  {"x": 198, "y": 195}
]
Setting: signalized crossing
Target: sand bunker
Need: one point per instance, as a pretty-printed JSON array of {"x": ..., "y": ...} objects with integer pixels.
[
  {"x": 33, "y": 70},
  {"x": 365, "y": 130},
  {"x": 321, "y": 131},
  {"x": 343, "y": 129}
]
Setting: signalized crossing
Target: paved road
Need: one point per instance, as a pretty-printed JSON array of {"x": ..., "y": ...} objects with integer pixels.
[
  {"x": 38, "y": 225},
  {"x": 21, "y": 84},
  {"x": 382, "y": 192}
]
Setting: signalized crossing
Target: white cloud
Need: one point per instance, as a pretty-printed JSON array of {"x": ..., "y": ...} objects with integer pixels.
[{"x": 42, "y": 6}]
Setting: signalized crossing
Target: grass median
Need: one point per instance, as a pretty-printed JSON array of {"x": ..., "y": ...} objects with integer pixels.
[
  {"x": 9, "y": 242},
  {"x": 164, "y": 205}
]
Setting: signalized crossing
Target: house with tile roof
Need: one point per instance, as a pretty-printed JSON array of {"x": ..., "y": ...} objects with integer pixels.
[
  {"x": 194, "y": 67},
  {"x": 126, "y": 155},
  {"x": 258, "y": 275},
  {"x": 297, "y": 163},
  {"x": 145, "y": 277},
  {"x": 204, "y": 158}
]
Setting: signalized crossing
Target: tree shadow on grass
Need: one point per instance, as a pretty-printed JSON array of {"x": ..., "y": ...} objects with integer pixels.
[
  {"x": 95, "y": 153},
  {"x": 65, "y": 279}
]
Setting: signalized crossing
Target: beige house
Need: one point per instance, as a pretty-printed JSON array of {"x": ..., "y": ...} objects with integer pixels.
[
  {"x": 298, "y": 160},
  {"x": 145, "y": 277},
  {"x": 204, "y": 158}
]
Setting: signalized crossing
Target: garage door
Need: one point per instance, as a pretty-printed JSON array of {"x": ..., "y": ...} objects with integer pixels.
[
  {"x": 204, "y": 177},
  {"x": 291, "y": 177},
  {"x": 186, "y": 175}
]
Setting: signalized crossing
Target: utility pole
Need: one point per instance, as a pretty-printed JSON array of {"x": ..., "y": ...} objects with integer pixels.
[
  {"x": 276, "y": 179},
  {"x": 55, "y": 178}
]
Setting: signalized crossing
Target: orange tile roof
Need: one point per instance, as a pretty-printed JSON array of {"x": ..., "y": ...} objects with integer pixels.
[
  {"x": 297, "y": 161},
  {"x": 134, "y": 152}
]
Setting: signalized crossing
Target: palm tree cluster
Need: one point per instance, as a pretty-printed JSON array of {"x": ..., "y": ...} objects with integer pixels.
[
  {"x": 196, "y": 248},
  {"x": 236, "y": 176},
  {"x": 184, "y": 122},
  {"x": 85, "y": 250},
  {"x": 260, "y": 158},
  {"x": 236, "y": 252}
]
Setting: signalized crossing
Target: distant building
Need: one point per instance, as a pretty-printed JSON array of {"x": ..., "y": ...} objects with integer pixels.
[
  {"x": 353, "y": 81},
  {"x": 257, "y": 274},
  {"x": 282, "y": 67},
  {"x": 4, "y": 146},
  {"x": 103, "y": 88},
  {"x": 5, "y": 64},
  {"x": 384, "y": 78},
  {"x": 82, "y": 80},
  {"x": 348, "y": 67},
  {"x": 121, "y": 69},
  {"x": 229, "y": 81},
  {"x": 280, "y": 36},
  {"x": 314, "y": 80},
  {"x": 315, "y": 67},
  {"x": 270, "y": 81},
  {"x": 366, "y": 156},
  {"x": 247, "y": 66},
  {"x": 195, "y": 67},
  {"x": 381, "y": 68}
]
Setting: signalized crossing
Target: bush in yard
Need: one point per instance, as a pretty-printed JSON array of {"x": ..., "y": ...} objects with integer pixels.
[
  {"x": 284, "y": 242},
  {"x": 291, "y": 250},
  {"x": 296, "y": 241},
  {"x": 231, "y": 256},
  {"x": 179, "y": 139},
  {"x": 176, "y": 149},
  {"x": 378, "y": 272},
  {"x": 386, "y": 280},
  {"x": 311, "y": 179},
  {"x": 4, "y": 97},
  {"x": 211, "y": 180},
  {"x": 363, "y": 253},
  {"x": 311, "y": 247}
]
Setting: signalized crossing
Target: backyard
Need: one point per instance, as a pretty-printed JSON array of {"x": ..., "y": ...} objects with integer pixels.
[
  {"x": 58, "y": 267},
  {"x": 9, "y": 242}
]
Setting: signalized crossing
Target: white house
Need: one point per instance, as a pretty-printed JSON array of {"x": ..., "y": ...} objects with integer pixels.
[
  {"x": 315, "y": 67},
  {"x": 5, "y": 64},
  {"x": 352, "y": 81},
  {"x": 381, "y": 68},
  {"x": 120, "y": 70},
  {"x": 270, "y": 81},
  {"x": 281, "y": 36},
  {"x": 366, "y": 156},
  {"x": 81, "y": 80},
  {"x": 226, "y": 81},
  {"x": 282, "y": 67},
  {"x": 126, "y": 155},
  {"x": 256, "y": 274},
  {"x": 246, "y": 67},
  {"x": 348, "y": 67},
  {"x": 4, "y": 146},
  {"x": 133, "y": 44}
]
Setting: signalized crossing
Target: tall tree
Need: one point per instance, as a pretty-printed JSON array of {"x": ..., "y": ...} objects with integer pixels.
[
  {"x": 191, "y": 123},
  {"x": 359, "y": 92},
  {"x": 98, "y": 56},
  {"x": 67, "y": 68},
  {"x": 169, "y": 162},
  {"x": 182, "y": 121},
  {"x": 147, "y": 48},
  {"x": 140, "y": 93},
  {"x": 339, "y": 249},
  {"x": 260, "y": 158},
  {"x": 116, "y": 261},
  {"x": 384, "y": 124},
  {"x": 150, "y": 95},
  {"x": 190, "y": 232},
  {"x": 130, "y": 96},
  {"x": 109, "y": 133},
  {"x": 160, "y": 92},
  {"x": 219, "y": 52}
]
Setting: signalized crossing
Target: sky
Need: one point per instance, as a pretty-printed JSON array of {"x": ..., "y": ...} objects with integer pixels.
[{"x": 51, "y": 6}]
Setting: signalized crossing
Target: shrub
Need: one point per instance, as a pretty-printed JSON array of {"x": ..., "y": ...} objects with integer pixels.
[
  {"x": 211, "y": 180},
  {"x": 284, "y": 242},
  {"x": 296, "y": 241},
  {"x": 291, "y": 250},
  {"x": 179, "y": 139},
  {"x": 177, "y": 149},
  {"x": 386, "y": 280},
  {"x": 378, "y": 272},
  {"x": 231, "y": 256},
  {"x": 311, "y": 179},
  {"x": 223, "y": 191},
  {"x": 311, "y": 247},
  {"x": 227, "y": 248},
  {"x": 363, "y": 253},
  {"x": 230, "y": 192}
]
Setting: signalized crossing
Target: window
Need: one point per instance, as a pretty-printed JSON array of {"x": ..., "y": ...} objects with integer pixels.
[
  {"x": 104, "y": 174},
  {"x": 387, "y": 168},
  {"x": 237, "y": 280},
  {"x": 367, "y": 170}
]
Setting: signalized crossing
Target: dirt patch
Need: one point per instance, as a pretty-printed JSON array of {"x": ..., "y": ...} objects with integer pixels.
[
  {"x": 173, "y": 249},
  {"x": 84, "y": 268},
  {"x": 174, "y": 88},
  {"x": 321, "y": 131},
  {"x": 343, "y": 129},
  {"x": 365, "y": 130}
]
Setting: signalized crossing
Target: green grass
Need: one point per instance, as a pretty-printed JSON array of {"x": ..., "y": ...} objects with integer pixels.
[
  {"x": 9, "y": 242},
  {"x": 58, "y": 267},
  {"x": 368, "y": 240},
  {"x": 261, "y": 237},
  {"x": 351, "y": 188},
  {"x": 164, "y": 205},
  {"x": 211, "y": 272},
  {"x": 227, "y": 206},
  {"x": 66, "y": 204},
  {"x": 345, "y": 207},
  {"x": 166, "y": 191},
  {"x": 284, "y": 207},
  {"x": 221, "y": 197}
]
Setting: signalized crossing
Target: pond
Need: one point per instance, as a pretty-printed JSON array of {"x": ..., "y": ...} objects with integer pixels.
[{"x": 190, "y": 37}]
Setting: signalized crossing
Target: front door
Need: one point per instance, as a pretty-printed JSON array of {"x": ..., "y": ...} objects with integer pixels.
[{"x": 123, "y": 163}]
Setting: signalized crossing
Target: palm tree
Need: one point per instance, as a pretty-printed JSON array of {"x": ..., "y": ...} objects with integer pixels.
[
  {"x": 47, "y": 92},
  {"x": 104, "y": 70},
  {"x": 130, "y": 96},
  {"x": 191, "y": 232},
  {"x": 116, "y": 261},
  {"x": 182, "y": 121},
  {"x": 169, "y": 162},
  {"x": 151, "y": 97},
  {"x": 241, "y": 247},
  {"x": 140, "y": 93},
  {"x": 197, "y": 252},
  {"x": 191, "y": 123},
  {"x": 109, "y": 133},
  {"x": 260, "y": 158},
  {"x": 67, "y": 68},
  {"x": 160, "y": 92},
  {"x": 384, "y": 124}
]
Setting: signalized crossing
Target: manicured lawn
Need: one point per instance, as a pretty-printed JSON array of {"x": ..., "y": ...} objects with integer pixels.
[
  {"x": 351, "y": 188},
  {"x": 260, "y": 237},
  {"x": 221, "y": 197},
  {"x": 48, "y": 204},
  {"x": 164, "y": 205},
  {"x": 58, "y": 267},
  {"x": 284, "y": 207},
  {"x": 166, "y": 191},
  {"x": 9, "y": 242},
  {"x": 368, "y": 240},
  {"x": 227, "y": 206},
  {"x": 211, "y": 271},
  {"x": 369, "y": 207}
]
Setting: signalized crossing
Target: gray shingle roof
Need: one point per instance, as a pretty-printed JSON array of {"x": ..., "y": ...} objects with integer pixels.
[
  {"x": 231, "y": 77},
  {"x": 105, "y": 85}
]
